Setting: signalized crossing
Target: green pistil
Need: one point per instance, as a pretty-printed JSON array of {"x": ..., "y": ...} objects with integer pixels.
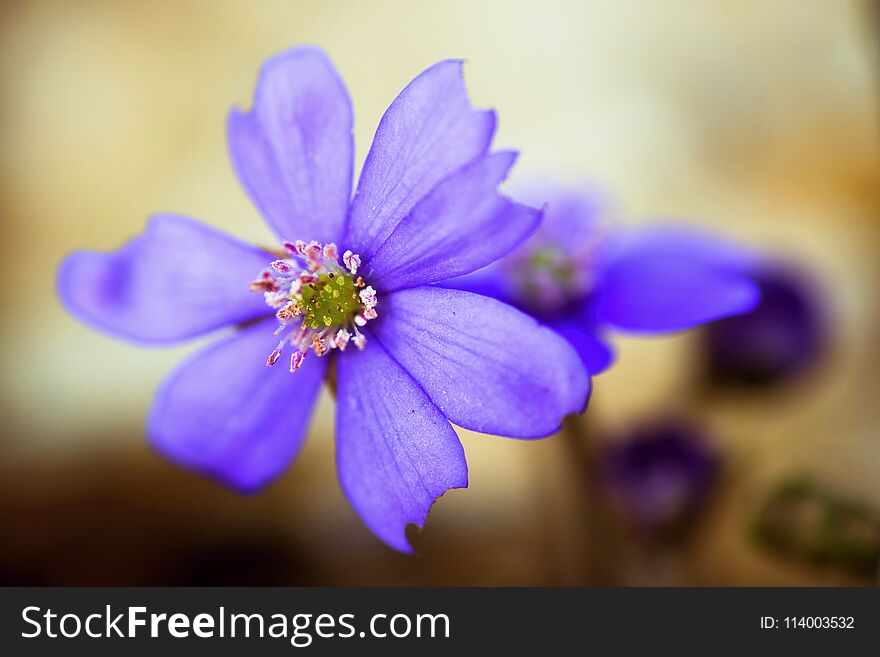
[
  {"x": 332, "y": 300},
  {"x": 553, "y": 262}
]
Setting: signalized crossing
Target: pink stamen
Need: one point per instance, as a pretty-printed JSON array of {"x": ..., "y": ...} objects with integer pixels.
[
  {"x": 314, "y": 252},
  {"x": 263, "y": 285},
  {"x": 275, "y": 355},
  {"x": 351, "y": 261},
  {"x": 276, "y": 299},
  {"x": 288, "y": 312},
  {"x": 296, "y": 360},
  {"x": 318, "y": 345},
  {"x": 342, "y": 338},
  {"x": 368, "y": 296}
]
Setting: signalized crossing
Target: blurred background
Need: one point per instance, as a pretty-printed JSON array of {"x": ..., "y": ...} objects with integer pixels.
[{"x": 742, "y": 454}]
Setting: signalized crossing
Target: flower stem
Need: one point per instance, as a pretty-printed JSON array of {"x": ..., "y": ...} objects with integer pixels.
[{"x": 596, "y": 549}]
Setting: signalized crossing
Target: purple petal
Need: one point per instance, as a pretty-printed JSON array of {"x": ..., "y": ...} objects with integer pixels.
[
  {"x": 595, "y": 353},
  {"x": 462, "y": 225},
  {"x": 227, "y": 415},
  {"x": 395, "y": 451},
  {"x": 677, "y": 242},
  {"x": 494, "y": 281},
  {"x": 428, "y": 133},
  {"x": 486, "y": 365},
  {"x": 661, "y": 280},
  {"x": 179, "y": 279},
  {"x": 570, "y": 236},
  {"x": 293, "y": 151},
  {"x": 574, "y": 218}
]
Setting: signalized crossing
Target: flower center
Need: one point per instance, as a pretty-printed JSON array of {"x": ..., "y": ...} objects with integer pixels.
[
  {"x": 549, "y": 280},
  {"x": 332, "y": 300},
  {"x": 320, "y": 305},
  {"x": 553, "y": 264}
]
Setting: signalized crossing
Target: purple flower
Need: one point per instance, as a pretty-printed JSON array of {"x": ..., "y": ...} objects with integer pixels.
[
  {"x": 773, "y": 343},
  {"x": 584, "y": 277},
  {"x": 659, "y": 475},
  {"x": 410, "y": 357}
]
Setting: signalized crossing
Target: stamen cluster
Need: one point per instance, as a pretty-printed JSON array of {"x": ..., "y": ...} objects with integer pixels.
[
  {"x": 320, "y": 304},
  {"x": 550, "y": 280}
]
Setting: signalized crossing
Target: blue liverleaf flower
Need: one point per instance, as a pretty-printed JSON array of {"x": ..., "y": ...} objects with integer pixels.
[
  {"x": 352, "y": 284},
  {"x": 585, "y": 276}
]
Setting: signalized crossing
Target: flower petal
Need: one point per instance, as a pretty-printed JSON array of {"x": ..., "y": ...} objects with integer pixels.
[
  {"x": 575, "y": 218},
  {"x": 462, "y": 225},
  {"x": 227, "y": 415},
  {"x": 661, "y": 280},
  {"x": 493, "y": 281},
  {"x": 677, "y": 242},
  {"x": 395, "y": 451},
  {"x": 293, "y": 151},
  {"x": 596, "y": 354},
  {"x": 178, "y": 279},
  {"x": 428, "y": 133},
  {"x": 487, "y": 366}
]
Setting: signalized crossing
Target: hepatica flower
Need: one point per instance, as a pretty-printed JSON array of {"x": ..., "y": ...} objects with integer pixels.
[
  {"x": 352, "y": 285},
  {"x": 586, "y": 277}
]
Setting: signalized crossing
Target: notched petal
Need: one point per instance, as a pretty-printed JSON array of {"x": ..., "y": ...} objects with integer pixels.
[{"x": 395, "y": 452}]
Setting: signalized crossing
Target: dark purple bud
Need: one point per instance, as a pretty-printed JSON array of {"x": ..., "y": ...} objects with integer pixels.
[
  {"x": 659, "y": 475},
  {"x": 777, "y": 341}
]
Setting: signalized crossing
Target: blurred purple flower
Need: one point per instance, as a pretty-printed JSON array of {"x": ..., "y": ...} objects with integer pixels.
[
  {"x": 584, "y": 277},
  {"x": 659, "y": 475},
  {"x": 418, "y": 356},
  {"x": 778, "y": 340}
]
